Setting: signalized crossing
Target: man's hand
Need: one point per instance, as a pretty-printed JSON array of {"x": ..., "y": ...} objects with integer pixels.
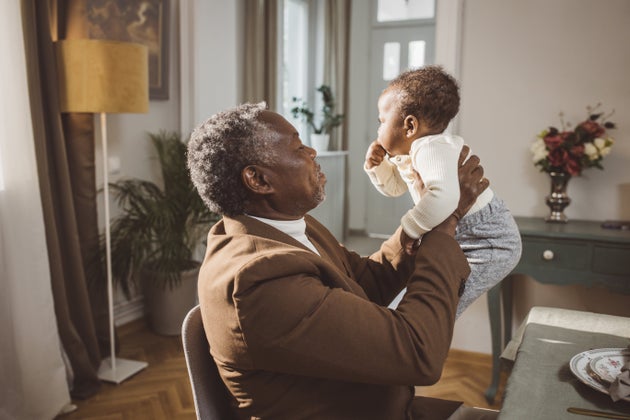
[
  {"x": 409, "y": 245},
  {"x": 375, "y": 155},
  {"x": 471, "y": 182}
]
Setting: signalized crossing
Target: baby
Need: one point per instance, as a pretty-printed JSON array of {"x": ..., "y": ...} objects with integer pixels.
[{"x": 414, "y": 110}]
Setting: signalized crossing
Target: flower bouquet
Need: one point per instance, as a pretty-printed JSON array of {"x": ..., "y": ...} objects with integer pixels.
[
  {"x": 566, "y": 153},
  {"x": 571, "y": 151}
]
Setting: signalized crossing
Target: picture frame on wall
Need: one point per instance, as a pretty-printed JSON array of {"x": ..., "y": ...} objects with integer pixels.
[{"x": 140, "y": 21}]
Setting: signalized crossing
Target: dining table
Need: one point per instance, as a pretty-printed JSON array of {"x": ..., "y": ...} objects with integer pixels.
[{"x": 542, "y": 384}]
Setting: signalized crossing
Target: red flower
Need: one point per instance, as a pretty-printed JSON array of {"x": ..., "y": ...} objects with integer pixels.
[
  {"x": 553, "y": 141},
  {"x": 566, "y": 151},
  {"x": 577, "y": 150},
  {"x": 592, "y": 128},
  {"x": 572, "y": 166},
  {"x": 558, "y": 156}
]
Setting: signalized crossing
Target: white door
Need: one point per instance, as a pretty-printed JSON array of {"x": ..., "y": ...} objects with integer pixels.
[{"x": 395, "y": 46}]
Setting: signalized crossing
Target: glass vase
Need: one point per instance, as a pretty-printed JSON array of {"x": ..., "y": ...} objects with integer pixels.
[{"x": 558, "y": 199}]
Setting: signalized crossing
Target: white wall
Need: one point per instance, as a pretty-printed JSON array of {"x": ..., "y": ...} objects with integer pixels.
[
  {"x": 520, "y": 64},
  {"x": 212, "y": 50},
  {"x": 523, "y": 62}
]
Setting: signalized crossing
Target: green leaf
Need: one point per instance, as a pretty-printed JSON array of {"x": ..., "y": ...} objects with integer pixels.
[{"x": 327, "y": 119}]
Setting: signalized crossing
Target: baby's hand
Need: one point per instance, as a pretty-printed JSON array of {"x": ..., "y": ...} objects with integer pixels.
[
  {"x": 409, "y": 244},
  {"x": 375, "y": 155}
]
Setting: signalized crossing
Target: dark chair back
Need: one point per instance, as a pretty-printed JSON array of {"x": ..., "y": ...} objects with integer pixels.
[{"x": 209, "y": 392}]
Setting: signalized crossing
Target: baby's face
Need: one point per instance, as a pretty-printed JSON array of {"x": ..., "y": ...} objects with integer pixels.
[{"x": 391, "y": 131}]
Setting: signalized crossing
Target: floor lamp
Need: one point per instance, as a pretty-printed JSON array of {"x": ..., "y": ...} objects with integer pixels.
[{"x": 101, "y": 76}]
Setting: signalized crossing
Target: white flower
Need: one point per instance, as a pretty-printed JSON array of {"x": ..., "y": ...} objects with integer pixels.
[
  {"x": 539, "y": 155},
  {"x": 539, "y": 150},
  {"x": 537, "y": 146},
  {"x": 603, "y": 145},
  {"x": 591, "y": 151}
]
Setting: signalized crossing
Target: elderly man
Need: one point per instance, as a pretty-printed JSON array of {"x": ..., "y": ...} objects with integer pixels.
[{"x": 297, "y": 324}]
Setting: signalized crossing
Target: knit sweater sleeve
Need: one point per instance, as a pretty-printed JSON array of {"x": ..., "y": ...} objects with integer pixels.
[
  {"x": 386, "y": 179},
  {"x": 436, "y": 162}
]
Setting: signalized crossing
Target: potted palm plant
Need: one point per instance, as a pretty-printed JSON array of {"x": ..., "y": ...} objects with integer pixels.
[
  {"x": 153, "y": 240},
  {"x": 321, "y": 123}
]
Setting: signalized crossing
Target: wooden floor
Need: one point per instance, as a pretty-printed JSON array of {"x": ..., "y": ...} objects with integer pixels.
[{"x": 162, "y": 391}]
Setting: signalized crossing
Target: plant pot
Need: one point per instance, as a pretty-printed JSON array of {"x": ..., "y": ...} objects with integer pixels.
[
  {"x": 319, "y": 142},
  {"x": 167, "y": 307}
]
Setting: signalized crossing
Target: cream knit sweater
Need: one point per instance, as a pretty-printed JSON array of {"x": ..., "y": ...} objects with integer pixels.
[{"x": 435, "y": 158}]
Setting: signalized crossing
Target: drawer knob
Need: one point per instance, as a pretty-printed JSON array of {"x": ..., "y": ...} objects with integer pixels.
[{"x": 548, "y": 255}]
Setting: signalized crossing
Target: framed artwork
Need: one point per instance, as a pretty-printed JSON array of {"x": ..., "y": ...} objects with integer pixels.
[{"x": 140, "y": 21}]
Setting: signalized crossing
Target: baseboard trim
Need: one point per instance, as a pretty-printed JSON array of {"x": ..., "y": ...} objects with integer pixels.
[
  {"x": 127, "y": 311},
  {"x": 357, "y": 232}
]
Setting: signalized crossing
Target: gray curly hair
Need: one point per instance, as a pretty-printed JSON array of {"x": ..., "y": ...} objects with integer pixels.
[{"x": 218, "y": 151}]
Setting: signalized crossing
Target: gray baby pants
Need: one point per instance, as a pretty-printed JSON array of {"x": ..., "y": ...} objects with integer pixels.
[{"x": 492, "y": 244}]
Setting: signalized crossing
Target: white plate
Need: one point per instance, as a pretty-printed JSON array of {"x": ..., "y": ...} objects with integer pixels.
[
  {"x": 607, "y": 364},
  {"x": 579, "y": 365}
]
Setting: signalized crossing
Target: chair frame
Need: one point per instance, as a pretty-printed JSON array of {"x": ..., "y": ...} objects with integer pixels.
[{"x": 211, "y": 397}]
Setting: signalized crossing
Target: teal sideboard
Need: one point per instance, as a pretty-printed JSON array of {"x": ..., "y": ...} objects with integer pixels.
[{"x": 578, "y": 252}]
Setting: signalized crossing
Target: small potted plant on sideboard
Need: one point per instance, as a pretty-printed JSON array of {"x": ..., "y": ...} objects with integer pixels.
[{"x": 321, "y": 123}]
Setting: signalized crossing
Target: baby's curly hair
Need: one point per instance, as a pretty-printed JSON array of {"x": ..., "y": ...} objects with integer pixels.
[
  {"x": 218, "y": 151},
  {"x": 428, "y": 93}
]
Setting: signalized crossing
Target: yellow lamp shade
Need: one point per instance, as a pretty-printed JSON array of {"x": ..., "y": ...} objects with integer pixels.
[{"x": 102, "y": 76}]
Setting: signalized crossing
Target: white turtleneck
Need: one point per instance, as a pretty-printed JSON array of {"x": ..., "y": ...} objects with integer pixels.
[{"x": 294, "y": 228}]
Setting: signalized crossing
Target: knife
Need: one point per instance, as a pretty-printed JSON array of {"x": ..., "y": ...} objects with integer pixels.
[{"x": 595, "y": 413}]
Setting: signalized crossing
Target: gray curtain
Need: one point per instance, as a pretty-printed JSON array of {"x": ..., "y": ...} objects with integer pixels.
[
  {"x": 261, "y": 55},
  {"x": 336, "y": 39},
  {"x": 63, "y": 163}
]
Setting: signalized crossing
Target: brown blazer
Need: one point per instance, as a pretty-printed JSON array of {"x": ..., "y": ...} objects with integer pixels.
[{"x": 299, "y": 336}]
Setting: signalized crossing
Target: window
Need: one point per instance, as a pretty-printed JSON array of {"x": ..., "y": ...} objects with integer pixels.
[
  {"x": 397, "y": 10},
  {"x": 391, "y": 60},
  {"x": 295, "y": 57},
  {"x": 417, "y": 54}
]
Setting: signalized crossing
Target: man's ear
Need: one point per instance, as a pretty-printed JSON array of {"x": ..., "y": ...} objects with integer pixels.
[
  {"x": 256, "y": 180},
  {"x": 412, "y": 126}
]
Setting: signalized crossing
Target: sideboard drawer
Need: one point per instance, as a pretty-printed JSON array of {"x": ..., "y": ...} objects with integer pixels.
[
  {"x": 554, "y": 254},
  {"x": 611, "y": 260}
]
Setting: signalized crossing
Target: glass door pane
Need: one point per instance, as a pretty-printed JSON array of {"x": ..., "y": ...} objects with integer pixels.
[
  {"x": 417, "y": 54},
  {"x": 397, "y": 10},
  {"x": 391, "y": 60}
]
